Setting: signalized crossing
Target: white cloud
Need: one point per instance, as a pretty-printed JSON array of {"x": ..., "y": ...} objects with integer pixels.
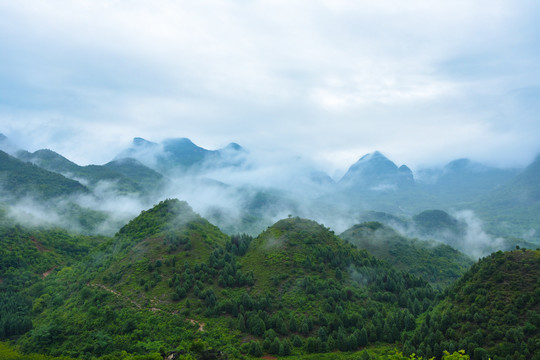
[{"x": 419, "y": 80}]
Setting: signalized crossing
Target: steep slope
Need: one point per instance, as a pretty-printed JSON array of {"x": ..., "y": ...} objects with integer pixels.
[
  {"x": 439, "y": 264},
  {"x": 19, "y": 179},
  {"x": 492, "y": 311}
]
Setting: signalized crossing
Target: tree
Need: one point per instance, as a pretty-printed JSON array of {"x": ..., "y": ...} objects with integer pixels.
[{"x": 255, "y": 349}]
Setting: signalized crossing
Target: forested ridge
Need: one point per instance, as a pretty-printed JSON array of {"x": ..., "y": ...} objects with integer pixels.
[{"x": 170, "y": 283}]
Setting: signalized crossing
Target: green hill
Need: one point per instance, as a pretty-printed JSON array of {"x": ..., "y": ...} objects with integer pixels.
[
  {"x": 126, "y": 175},
  {"x": 20, "y": 179},
  {"x": 438, "y": 263},
  {"x": 492, "y": 311},
  {"x": 145, "y": 177},
  {"x": 171, "y": 281}
]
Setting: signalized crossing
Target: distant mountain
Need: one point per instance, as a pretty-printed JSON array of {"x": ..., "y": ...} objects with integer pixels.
[
  {"x": 438, "y": 263},
  {"x": 182, "y": 154},
  {"x": 136, "y": 171},
  {"x": 128, "y": 176},
  {"x": 438, "y": 224},
  {"x": 385, "y": 218},
  {"x": 376, "y": 172},
  {"x": 463, "y": 180},
  {"x": 19, "y": 179},
  {"x": 513, "y": 209}
]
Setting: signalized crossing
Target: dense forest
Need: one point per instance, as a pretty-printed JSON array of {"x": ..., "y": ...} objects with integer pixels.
[{"x": 170, "y": 284}]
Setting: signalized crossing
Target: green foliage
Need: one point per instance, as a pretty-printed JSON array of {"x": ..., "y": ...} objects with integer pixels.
[
  {"x": 26, "y": 179},
  {"x": 438, "y": 263},
  {"x": 492, "y": 311},
  {"x": 170, "y": 282},
  {"x": 127, "y": 175}
]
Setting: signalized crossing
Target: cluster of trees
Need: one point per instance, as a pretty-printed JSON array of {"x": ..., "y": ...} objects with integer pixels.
[
  {"x": 295, "y": 290},
  {"x": 493, "y": 311}
]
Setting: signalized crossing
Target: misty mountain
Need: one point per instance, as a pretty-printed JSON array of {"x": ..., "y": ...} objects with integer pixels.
[
  {"x": 7, "y": 146},
  {"x": 462, "y": 180},
  {"x": 513, "y": 209},
  {"x": 182, "y": 154},
  {"x": 128, "y": 176},
  {"x": 438, "y": 263},
  {"x": 19, "y": 179},
  {"x": 136, "y": 171},
  {"x": 438, "y": 224},
  {"x": 385, "y": 218},
  {"x": 376, "y": 172}
]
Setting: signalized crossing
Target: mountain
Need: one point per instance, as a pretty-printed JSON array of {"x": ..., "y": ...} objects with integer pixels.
[
  {"x": 385, "y": 218},
  {"x": 513, "y": 209},
  {"x": 20, "y": 179},
  {"x": 376, "y": 172},
  {"x": 493, "y": 311},
  {"x": 438, "y": 263},
  {"x": 128, "y": 176},
  {"x": 182, "y": 154},
  {"x": 438, "y": 224},
  {"x": 136, "y": 171},
  {"x": 463, "y": 180}
]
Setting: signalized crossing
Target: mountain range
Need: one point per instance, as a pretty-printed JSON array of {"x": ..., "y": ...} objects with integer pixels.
[{"x": 505, "y": 200}]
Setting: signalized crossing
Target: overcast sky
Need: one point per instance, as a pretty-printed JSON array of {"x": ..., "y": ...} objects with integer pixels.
[{"x": 424, "y": 82}]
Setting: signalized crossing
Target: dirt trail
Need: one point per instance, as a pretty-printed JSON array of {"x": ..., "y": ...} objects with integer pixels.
[
  {"x": 48, "y": 272},
  {"x": 195, "y": 322},
  {"x": 138, "y": 306}
]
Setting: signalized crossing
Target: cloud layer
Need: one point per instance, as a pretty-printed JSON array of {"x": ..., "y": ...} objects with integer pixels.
[{"x": 423, "y": 81}]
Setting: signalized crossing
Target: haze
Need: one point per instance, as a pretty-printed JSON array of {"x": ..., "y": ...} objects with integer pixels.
[{"x": 424, "y": 82}]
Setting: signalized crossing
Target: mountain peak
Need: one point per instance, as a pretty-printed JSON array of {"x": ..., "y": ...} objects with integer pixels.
[
  {"x": 376, "y": 171},
  {"x": 139, "y": 142},
  {"x": 376, "y": 155},
  {"x": 168, "y": 213},
  {"x": 234, "y": 146}
]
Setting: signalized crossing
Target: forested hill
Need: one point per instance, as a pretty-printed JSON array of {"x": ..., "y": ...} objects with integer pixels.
[
  {"x": 492, "y": 311},
  {"x": 438, "y": 263},
  {"x": 170, "y": 283},
  {"x": 19, "y": 179}
]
